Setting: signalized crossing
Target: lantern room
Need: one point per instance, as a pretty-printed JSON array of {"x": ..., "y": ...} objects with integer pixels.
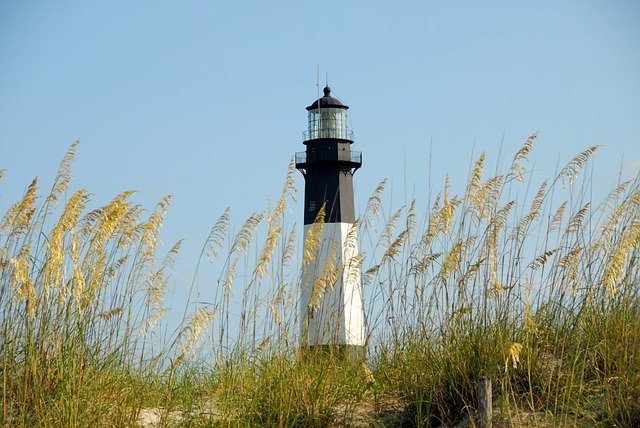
[{"x": 328, "y": 118}]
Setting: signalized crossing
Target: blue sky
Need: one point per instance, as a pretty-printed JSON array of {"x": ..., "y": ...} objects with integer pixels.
[{"x": 206, "y": 100}]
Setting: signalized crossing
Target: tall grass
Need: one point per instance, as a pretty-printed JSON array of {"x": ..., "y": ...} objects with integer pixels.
[
  {"x": 543, "y": 301},
  {"x": 80, "y": 293},
  {"x": 531, "y": 284}
]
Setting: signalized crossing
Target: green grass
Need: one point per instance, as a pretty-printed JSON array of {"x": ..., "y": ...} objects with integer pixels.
[{"x": 535, "y": 289}]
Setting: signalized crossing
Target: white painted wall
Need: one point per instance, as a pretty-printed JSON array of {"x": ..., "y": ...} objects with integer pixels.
[{"x": 338, "y": 318}]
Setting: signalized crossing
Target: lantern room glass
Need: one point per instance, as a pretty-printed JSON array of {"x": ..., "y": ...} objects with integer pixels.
[{"x": 328, "y": 123}]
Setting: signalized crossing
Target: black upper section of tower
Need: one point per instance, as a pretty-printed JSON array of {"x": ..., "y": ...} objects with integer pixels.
[{"x": 328, "y": 163}]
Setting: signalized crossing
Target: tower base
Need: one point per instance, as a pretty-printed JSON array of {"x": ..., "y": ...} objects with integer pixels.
[{"x": 333, "y": 313}]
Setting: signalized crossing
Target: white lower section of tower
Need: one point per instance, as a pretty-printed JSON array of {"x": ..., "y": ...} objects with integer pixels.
[{"x": 331, "y": 309}]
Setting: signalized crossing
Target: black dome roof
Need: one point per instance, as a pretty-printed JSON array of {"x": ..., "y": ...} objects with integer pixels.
[{"x": 327, "y": 101}]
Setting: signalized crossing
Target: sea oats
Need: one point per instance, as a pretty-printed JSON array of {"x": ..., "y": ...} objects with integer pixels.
[
  {"x": 151, "y": 229},
  {"x": 156, "y": 283},
  {"x": 394, "y": 248},
  {"x": 411, "y": 223},
  {"x": 389, "y": 228},
  {"x": 611, "y": 225},
  {"x": 289, "y": 253},
  {"x": 273, "y": 234},
  {"x": 107, "y": 315},
  {"x": 105, "y": 228},
  {"x": 170, "y": 258},
  {"x": 487, "y": 198},
  {"x": 517, "y": 171},
  {"x": 542, "y": 259},
  {"x": 448, "y": 208},
  {"x": 313, "y": 238},
  {"x": 475, "y": 178},
  {"x": 243, "y": 238},
  {"x": 78, "y": 280},
  {"x": 229, "y": 277},
  {"x": 110, "y": 218},
  {"x": 497, "y": 287},
  {"x": 352, "y": 267},
  {"x": 72, "y": 211},
  {"x": 499, "y": 220},
  {"x": 112, "y": 270},
  {"x": 4, "y": 251},
  {"x": 556, "y": 219},
  {"x": 289, "y": 188},
  {"x": 152, "y": 320},
  {"x": 634, "y": 198},
  {"x": 274, "y": 313},
  {"x": 18, "y": 217},
  {"x": 274, "y": 230},
  {"x": 615, "y": 267},
  {"x": 370, "y": 274},
  {"x": 570, "y": 258},
  {"x": 197, "y": 324},
  {"x": 575, "y": 222},
  {"x": 496, "y": 224},
  {"x": 89, "y": 220},
  {"x": 575, "y": 165},
  {"x": 96, "y": 277},
  {"x": 131, "y": 229},
  {"x": 441, "y": 218},
  {"x": 53, "y": 268},
  {"x": 435, "y": 225},
  {"x": 529, "y": 322},
  {"x": 215, "y": 239},
  {"x": 63, "y": 176},
  {"x": 514, "y": 354},
  {"x": 421, "y": 266},
  {"x": 570, "y": 263},
  {"x": 452, "y": 259},
  {"x": 288, "y": 192},
  {"x": 434, "y": 221},
  {"x": 327, "y": 278},
  {"x": 22, "y": 284},
  {"x": 470, "y": 273},
  {"x": 615, "y": 193},
  {"x": 521, "y": 230},
  {"x": 156, "y": 287},
  {"x": 373, "y": 205},
  {"x": 351, "y": 240}
]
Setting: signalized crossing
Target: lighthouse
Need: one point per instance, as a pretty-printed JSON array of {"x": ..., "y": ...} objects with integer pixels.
[{"x": 331, "y": 308}]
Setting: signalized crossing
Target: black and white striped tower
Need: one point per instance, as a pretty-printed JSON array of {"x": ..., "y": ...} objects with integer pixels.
[{"x": 331, "y": 309}]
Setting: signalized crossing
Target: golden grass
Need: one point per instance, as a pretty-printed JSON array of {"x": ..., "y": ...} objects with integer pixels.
[{"x": 537, "y": 292}]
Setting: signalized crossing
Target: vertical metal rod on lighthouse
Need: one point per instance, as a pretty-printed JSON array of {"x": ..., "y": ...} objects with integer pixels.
[{"x": 331, "y": 309}]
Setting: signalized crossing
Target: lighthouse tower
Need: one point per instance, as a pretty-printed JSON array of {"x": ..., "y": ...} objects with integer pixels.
[{"x": 331, "y": 309}]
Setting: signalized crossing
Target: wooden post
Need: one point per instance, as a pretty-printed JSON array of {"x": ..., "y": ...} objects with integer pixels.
[{"x": 485, "y": 405}]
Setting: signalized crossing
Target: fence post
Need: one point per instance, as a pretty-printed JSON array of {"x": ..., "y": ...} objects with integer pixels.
[{"x": 485, "y": 404}]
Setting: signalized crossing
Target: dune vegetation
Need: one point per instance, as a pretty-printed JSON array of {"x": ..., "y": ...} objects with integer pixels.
[{"x": 531, "y": 284}]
